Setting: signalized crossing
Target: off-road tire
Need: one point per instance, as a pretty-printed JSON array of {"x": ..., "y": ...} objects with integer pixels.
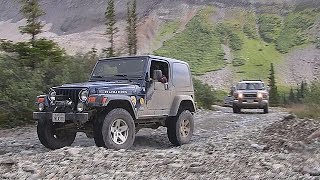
[
  {"x": 97, "y": 128},
  {"x": 113, "y": 116},
  {"x": 174, "y": 125},
  {"x": 52, "y": 139},
  {"x": 236, "y": 109},
  {"x": 266, "y": 109}
]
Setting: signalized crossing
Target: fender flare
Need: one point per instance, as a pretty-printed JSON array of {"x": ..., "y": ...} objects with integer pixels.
[
  {"x": 113, "y": 98},
  {"x": 177, "y": 101}
]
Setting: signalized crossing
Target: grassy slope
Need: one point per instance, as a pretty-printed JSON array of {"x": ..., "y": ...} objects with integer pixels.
[
  {"x": 258, "y": 55},
  {"x": 197, "y": 44},
  {"x": 166, "y": 31}
]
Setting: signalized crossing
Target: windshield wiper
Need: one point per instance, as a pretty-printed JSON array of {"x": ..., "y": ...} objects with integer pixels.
[
  {"x": 123, "y": 75},
  {"x": 97, "y": 77}
]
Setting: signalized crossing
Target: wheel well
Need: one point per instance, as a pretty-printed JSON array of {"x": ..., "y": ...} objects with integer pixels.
[
  {"x": 186, "y": 105},
  {"x": 120, "y": 104}
]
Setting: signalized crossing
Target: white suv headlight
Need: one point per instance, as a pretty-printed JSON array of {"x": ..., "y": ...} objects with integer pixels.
[
  {"x": 260, "y": 95},
  {"x": 83, "y": 95}
]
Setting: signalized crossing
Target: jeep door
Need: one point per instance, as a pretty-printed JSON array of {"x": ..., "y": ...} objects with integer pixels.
[{"x": 159, "y": 93}]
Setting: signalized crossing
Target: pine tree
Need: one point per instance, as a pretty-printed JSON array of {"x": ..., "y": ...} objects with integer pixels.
[
  {"x": 291, "y": 96},
  {"x": 274, "y": 96},
  {"x": 111, "y": 27},
  {"x": 128, "y": 29},
  {"x": 132, "y": 20},
  {"x": 303, "y": 89},
  {"x": 32, "y": 11}
]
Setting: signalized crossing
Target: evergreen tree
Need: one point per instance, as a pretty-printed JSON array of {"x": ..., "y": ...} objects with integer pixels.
[
  {"x": 284, "y": 100},
  {"x": 291, "y": 96},
  {"x": 128, "y": 29},
  {"x": 132, "y": 20},
  {"x": 111, "y": 27},
  {"x": 32, "y": 11},
  {"x": 274, "y": 96},
  {"x": 303, "y": 89}
]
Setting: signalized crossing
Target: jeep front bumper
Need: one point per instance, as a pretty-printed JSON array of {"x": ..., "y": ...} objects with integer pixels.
[
  {"x": 250, "y": 104},
  {"x": 79, "y": 118}
]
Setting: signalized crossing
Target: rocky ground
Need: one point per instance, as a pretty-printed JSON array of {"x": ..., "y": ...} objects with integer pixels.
[
  {"x": 300, "y": 65},
  {"x": 224, "y": 146}
]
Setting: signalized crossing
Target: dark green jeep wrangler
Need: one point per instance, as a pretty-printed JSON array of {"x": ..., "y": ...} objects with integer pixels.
[{"x": 123, "y": 95}]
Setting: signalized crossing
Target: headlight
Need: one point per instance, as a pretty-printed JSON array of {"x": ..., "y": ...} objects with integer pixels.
[
  {"x": 83, "y": 95},
  {"x": 260, "y": 95},
  {"x": 240, "y": 95},
  {"x": 52, "y": 95},
  {"x": 80, "y": 107},
  {"x": 41, "y": 106}
]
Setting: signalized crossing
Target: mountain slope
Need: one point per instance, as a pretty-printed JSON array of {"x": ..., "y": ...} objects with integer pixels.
[{"x": 170, "y": 28}]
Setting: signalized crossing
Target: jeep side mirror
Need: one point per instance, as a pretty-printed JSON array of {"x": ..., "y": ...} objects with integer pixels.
[{"x": 157, "y": 74}]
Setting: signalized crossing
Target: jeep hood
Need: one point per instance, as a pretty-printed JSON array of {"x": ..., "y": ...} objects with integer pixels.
[{"x": 102, "y": 87}]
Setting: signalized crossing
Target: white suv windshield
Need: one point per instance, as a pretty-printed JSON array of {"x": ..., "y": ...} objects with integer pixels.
[{"x": 250, "y": 86}]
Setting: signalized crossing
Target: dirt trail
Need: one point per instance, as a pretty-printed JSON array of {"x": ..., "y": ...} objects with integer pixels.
[{"x": 224, "y": 146}]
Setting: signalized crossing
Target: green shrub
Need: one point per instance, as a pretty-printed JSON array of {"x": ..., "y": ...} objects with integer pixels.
[
  {"x": 205, "y": 96},
  {"x": 249, "y": 27},
  {"x": 270, "y": 26},
  {"x": 238, "y": 61},
  {"x": 27, "y": 71},
  {"x": 228, "y": 36},
  {"x": 317, "y": 42},
  {"x": 293, "y": 32},
  {"x": 310, "y": 102}
]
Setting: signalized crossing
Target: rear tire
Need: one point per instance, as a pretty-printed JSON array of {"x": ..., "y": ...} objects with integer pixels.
[
  {"x": 180, "y": 128},
  {"x": 118, "y": 129},
  {"x": 266, "y": 109},
  {"x": 51, "y": 138}
]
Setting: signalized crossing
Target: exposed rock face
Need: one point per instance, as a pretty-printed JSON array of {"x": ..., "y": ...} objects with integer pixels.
[{"x": 224, "y": 146}]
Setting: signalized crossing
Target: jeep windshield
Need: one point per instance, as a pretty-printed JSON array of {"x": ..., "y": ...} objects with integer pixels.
[
  {"x": 250, "y": 86},
  {"x": 119, "y": 69}
]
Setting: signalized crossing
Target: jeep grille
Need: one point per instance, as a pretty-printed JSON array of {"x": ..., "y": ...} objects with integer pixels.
[{"x": 72, "y": 94}]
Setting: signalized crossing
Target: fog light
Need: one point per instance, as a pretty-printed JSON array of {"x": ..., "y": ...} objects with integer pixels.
[
  {"x": 80, "y": 107},
  {"x": 41, "y": 106}
]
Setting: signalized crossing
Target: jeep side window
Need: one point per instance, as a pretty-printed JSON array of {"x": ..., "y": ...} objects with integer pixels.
[
  {"x": 159, "y": 65},
  {"x": 181, "y": 75}
]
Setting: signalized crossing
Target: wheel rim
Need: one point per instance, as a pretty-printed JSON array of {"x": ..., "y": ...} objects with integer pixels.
[
  {"x": 119, "y": 131},
  {"x": 185, "y": 128}
]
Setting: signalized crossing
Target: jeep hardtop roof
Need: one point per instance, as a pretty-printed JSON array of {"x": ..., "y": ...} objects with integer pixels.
[{"x": 170, "y": 60}]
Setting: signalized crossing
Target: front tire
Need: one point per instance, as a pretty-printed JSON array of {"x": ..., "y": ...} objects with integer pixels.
[
  {"x": 118, "y": 129},
  {"x": 97, "y": 130},
  {"x": 266, "y": 109},
  {"x": 236, "y": 109},
  {"x": 180, "y": 129},
  {"x": 52, "y": 138}
]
